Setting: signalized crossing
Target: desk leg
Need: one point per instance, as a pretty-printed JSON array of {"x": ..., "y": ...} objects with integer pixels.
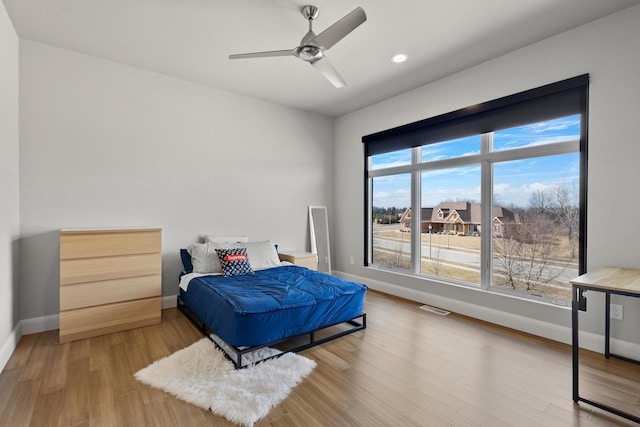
[
  {"x": 607, "y": 323},
  {"x": 574, "y": 340}
]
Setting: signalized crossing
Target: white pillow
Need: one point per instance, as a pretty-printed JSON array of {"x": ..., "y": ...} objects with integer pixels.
[
  {"x": 261, "y": 254},
  {"x": 208, "y": 238},
  {"x": 204, "y": 257}
]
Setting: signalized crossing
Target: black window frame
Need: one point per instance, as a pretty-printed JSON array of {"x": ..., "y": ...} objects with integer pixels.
[{"x": 562, "y": 98}]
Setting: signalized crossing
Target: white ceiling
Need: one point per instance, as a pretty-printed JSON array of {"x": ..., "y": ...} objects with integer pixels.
[{"x": 192, "y": 39}]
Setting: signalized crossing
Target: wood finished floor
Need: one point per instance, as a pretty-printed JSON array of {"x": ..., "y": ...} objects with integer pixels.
[{"x": 408, "y": 368}]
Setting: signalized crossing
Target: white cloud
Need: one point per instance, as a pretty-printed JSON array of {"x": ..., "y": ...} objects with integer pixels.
[
  {"x": 506, "y": 194},
  {"x": 399, "y": 198}
]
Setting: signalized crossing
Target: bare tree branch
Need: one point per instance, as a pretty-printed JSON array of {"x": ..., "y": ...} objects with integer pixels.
[{"x": 523, "y": 253}]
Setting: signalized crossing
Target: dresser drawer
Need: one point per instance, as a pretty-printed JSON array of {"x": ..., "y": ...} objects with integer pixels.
[
  {"x": 115, "y": 267},
  {"x": 105, "y": 319},
  {"x": 92, "y": 244},
  {"x": 109, "y": 291}
]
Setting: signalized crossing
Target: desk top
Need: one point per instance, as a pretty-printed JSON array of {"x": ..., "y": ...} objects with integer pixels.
[{"x": 611, "y": 279}]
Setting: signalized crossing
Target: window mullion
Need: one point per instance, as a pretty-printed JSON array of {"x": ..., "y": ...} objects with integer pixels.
[
  {"x": 368, "y": 244},
  {"x": 486, "y": 196},
  {"x": 416, "y": 220}
]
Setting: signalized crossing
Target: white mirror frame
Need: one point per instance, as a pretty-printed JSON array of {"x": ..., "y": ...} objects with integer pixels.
[{"x": 319, "y": 213}]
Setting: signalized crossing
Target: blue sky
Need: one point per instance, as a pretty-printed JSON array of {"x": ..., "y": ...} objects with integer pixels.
[{"x": 514, "y": 182}]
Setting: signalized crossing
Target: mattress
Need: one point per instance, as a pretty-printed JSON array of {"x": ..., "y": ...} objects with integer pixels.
[{"x": 272, "y": 304}]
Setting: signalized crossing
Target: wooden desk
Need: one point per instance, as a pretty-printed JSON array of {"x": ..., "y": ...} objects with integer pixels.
[{"x": 609, "y": 280}]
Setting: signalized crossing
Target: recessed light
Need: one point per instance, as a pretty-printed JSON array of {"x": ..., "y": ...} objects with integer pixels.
[{"x": 400, "y": 57}]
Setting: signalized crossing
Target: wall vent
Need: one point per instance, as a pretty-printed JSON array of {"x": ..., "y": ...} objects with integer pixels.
[{"x": 435, "y": 310}]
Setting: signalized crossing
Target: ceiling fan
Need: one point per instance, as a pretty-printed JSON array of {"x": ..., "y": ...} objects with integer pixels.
[{"x": 312, "y": 47}]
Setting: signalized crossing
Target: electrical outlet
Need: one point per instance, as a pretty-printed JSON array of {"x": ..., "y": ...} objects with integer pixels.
[
  {"x": 351, "y": 260},
  {"x": 616, "y": 311}
]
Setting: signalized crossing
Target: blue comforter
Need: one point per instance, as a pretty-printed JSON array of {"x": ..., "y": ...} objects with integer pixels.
[{"x": 273, "y": 304}]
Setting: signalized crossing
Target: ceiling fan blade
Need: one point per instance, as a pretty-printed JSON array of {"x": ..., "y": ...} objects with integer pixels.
[
  {"x": 266, "y": 54},
  {"x": 341, "y": 28},
  {"x": 329, "y": 72}
]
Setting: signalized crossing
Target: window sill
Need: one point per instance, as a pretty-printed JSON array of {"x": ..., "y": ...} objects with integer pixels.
[{"x": 499, "y": 292}]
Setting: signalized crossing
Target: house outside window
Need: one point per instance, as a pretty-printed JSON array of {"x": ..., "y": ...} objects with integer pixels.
[{"x": 502, "y": 210}]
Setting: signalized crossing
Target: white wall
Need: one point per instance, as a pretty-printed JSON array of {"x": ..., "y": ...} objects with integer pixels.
[
  {"x": 607, "y": 49},
  {"x": 108, "y": 145},
  {"x": 104, "y": 144},
  {"x": 9, "y": 213}
]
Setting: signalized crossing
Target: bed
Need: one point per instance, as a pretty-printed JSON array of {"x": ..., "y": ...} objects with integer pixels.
[{"x": 263, "y": 302}]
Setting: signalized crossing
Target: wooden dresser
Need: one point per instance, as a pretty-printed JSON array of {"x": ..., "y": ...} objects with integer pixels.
[{"x": 110, "y": 281}]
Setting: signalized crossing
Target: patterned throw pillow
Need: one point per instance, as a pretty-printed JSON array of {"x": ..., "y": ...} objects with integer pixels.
[{"x": 234, "y": 261}]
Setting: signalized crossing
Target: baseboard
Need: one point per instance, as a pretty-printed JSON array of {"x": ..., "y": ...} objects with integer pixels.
[
  {"x": 588, "y": 340},
  {"x": 9, "y": 345},
  {"x": 40, "y": 324},
  {"x": 548, "y": 330},
  {"x": 47, "y": 323},
  {"x": 169, "y": 301}
]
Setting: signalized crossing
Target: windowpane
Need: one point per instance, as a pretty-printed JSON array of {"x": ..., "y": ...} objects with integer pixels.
[
  {"x": 388, "y": 160},
  {"x": 536, "y": 225},
  {"x": 540, "y": 133},
  {"x": 450, "y": 223},
  {"x": 524, "y": 237},
  {"x": 449, "y": 149},
  {"x": 391, "y": 240}
]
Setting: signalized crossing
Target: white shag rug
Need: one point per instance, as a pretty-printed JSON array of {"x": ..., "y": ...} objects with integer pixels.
[{"x": 201, "y": 375}]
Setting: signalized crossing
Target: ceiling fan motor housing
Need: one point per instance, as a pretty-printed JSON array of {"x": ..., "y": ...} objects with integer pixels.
[
  {"x": 310, "y": 12},
  {"x": 309, "y": 53}
]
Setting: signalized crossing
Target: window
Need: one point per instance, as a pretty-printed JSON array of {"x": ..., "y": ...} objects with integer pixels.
[
  {"x": 388, "y": 160},
  {"x": 447, "y": 149},
  {"x": 491, "y": 196},
  {"x": 391, "y": 231},
  {"x": 453, "y": 193}
]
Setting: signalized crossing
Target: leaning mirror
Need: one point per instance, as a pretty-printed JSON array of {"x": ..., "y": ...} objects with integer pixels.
[{"x": 319, "y": 228}]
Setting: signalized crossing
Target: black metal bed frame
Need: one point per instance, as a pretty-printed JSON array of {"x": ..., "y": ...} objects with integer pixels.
[{"x": 238, "y": 352}]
